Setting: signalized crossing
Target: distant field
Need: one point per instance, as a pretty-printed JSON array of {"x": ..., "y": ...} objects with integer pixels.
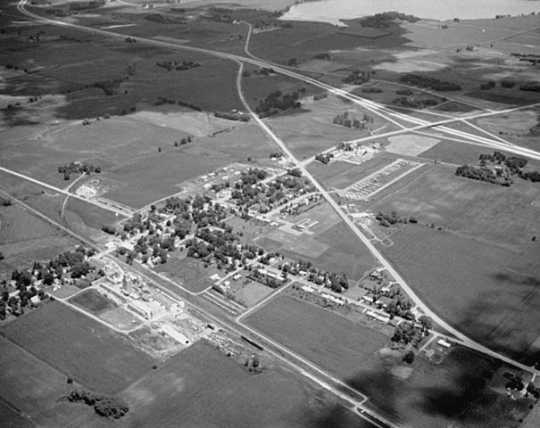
[
  {"x": 308, "y": 133},
  {"x": 484, "y": 290},
  {"x": 157, "y": 175},
  {"x": 216, "y": 391},
  {"x": 325, "y": 338},
  {"x": 507, "y": 216},
  {"x": 79, "y": 347},
  {"x": 25, "y": 238}
]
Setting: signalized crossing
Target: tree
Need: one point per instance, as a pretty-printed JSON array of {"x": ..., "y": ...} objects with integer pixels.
[
  {"x": 408, "y": 357},
  {"x": 427, "y": 323}
]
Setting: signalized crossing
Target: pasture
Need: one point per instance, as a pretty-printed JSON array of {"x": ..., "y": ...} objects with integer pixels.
[
  {"x": 79, "y": 347},
  {"x": 329, "y": 340}
]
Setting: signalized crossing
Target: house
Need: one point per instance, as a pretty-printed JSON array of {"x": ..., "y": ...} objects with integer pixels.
[{"x": 384, "y": 302}]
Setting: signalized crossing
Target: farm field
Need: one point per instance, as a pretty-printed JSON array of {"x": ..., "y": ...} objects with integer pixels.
[
  {"x": 25, "y": 238},
  {"x": 490, "y": 213},
  {"x": 154, "y": 176},
  {"x": 337, "y": 344},
  {"x": 28, "y": 384},
  {"x": 216, "y": 391},
  {"x": 98, "y": 358},
  {"x": 486, "y": 291},
  {"x": 309, "y": 133}
]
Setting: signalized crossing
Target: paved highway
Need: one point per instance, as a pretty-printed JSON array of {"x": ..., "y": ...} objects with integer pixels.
[
  {"x": 365, "y": 240},
  {"x": 380, "y": 111},
  {"x": 108, "y": 207},
  {"x": 252, "y": 59}
]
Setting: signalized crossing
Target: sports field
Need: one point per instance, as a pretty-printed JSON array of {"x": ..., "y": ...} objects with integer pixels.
[{"x": 79, "y": 347}]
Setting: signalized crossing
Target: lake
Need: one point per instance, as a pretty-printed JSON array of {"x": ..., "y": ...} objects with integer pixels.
[{"x": 333, "y": 10}]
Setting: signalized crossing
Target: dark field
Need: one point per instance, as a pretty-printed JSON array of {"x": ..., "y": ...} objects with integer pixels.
[
  {"x": 79, "y": 347},
  {"x": 465, "y": 390},
  {"x": 92, "y": 301}
]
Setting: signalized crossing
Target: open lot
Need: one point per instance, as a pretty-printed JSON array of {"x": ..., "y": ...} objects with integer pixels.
[
  {"x": 323, "y": 337},
  {"x": 189, "y": 272},
  {"x": 79, "y": 347}
]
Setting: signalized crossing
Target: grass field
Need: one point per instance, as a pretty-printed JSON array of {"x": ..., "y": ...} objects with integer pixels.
[
  {"x": 505, "y": 216},
  {"x": 323, "y": 337},
  {"x": 190, "y": 272},
  {"x": 328, "y": 244},
  {"x": 92, "y": 301},
  {"x": 79, "y": 347},
  {"x": 487, "y": 292}
]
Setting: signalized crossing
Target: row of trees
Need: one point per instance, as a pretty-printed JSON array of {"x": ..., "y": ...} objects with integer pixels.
[
  {"x": 424, "y": 81},
  {"x": 108, "y": 407},
  {"x": 77, "y": 167}
]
